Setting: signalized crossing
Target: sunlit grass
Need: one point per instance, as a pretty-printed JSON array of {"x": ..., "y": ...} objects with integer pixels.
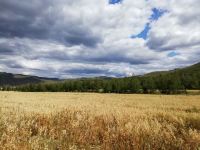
[{"x": 98, "y": 121}]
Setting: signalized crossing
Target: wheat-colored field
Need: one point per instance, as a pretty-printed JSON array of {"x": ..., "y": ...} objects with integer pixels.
[{"x": 62, "y": 121}]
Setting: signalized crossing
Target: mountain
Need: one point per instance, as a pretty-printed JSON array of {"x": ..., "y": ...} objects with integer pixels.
[
  {"x": 18, "y": 79},
  {"x": 190, "y": 70}
]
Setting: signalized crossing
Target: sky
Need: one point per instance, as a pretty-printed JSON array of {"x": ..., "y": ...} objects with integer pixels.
[{"x": 88, "y": 38}]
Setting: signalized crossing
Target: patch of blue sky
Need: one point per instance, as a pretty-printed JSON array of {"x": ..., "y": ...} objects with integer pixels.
[
  {"x": 144, "y": 33},
  {"x": 114, "y": 1},
  {"x": 156, "y": 14},
  {"x": 172, "y": 54}
]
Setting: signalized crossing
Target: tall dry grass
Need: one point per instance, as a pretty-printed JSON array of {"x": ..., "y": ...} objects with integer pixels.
[{"x": 98, "y": 121}]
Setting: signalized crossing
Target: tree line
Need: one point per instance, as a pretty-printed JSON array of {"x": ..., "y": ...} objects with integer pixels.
[{"x": 162, "y": 83}]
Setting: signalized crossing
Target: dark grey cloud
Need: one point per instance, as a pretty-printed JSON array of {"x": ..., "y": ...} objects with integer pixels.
[
  {"x": 95, "y": 58},
  {"x": 117, "y": 58},
  {"x": 156, "y": 44},
  {"x": 6, "y": 50},
  {"x": 14, "y": 65},
  {"x": 40, "y": 50},
  {"x": 76, "y": 39},
  {"x": 85, "y": 71},
  {"x": 11, "y": 64},
  {"x": 17, "y": 19},
  {"x": 165, "y": 43},
  {"x": 41, "y": 20},
  {"x": 93, "y": 72}
]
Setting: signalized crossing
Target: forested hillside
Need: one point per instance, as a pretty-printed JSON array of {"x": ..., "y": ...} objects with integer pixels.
[
  {"x": 8, "y": 79},
  {"x": 168, "y": 82}
]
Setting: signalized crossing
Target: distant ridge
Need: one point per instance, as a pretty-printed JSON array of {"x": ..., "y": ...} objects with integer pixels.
[{"x": 19, "y": 79}]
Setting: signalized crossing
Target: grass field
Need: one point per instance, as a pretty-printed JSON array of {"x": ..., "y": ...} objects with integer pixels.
[
  {"x": 193, "y": 92},
  {"x": 61, "y": 121}
]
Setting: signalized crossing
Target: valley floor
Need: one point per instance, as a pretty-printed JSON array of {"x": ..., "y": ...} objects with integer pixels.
[{"x": 99, "y": 121}]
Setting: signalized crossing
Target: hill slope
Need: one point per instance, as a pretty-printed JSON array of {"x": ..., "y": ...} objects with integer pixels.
[
  {"x": 184, "y": 78},
  {"x": 169, "y": 82},
  {"x": 18, "y": 79},
  {"x": 194, "y": 69}
]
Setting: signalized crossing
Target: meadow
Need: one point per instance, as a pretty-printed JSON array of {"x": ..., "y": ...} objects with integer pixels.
[{"x": 62, "y": 121}]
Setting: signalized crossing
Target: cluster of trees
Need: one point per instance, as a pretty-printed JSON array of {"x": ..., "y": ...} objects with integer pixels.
[
  {"x": 170, "y": 82},
  {"x": 162, "y": 83}
]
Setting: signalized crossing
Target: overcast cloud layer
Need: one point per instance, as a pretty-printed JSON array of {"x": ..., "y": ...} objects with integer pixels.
[{"x": 84, "y": 38}]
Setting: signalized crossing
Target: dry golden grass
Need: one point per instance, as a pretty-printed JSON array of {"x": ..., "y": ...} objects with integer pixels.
[{"x": 98, "y": 121}]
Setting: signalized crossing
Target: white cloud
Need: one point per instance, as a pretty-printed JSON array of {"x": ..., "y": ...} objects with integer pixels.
[
  {"x": 177, "y": 29},
  {"x": 64, "y": 38}
]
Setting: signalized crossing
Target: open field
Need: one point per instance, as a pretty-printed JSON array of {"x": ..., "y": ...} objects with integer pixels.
[
  {"x": 193, "y": 92},
  {"x": 99, "y": 121}
]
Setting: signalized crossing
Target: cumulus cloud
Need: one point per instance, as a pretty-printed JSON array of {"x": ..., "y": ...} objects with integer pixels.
[
  {"x": 177, "y": 29},
  {"x": 67, "y": 39}
]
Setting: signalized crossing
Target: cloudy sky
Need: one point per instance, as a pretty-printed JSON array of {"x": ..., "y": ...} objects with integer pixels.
[{"x": 84, "y": 38}]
